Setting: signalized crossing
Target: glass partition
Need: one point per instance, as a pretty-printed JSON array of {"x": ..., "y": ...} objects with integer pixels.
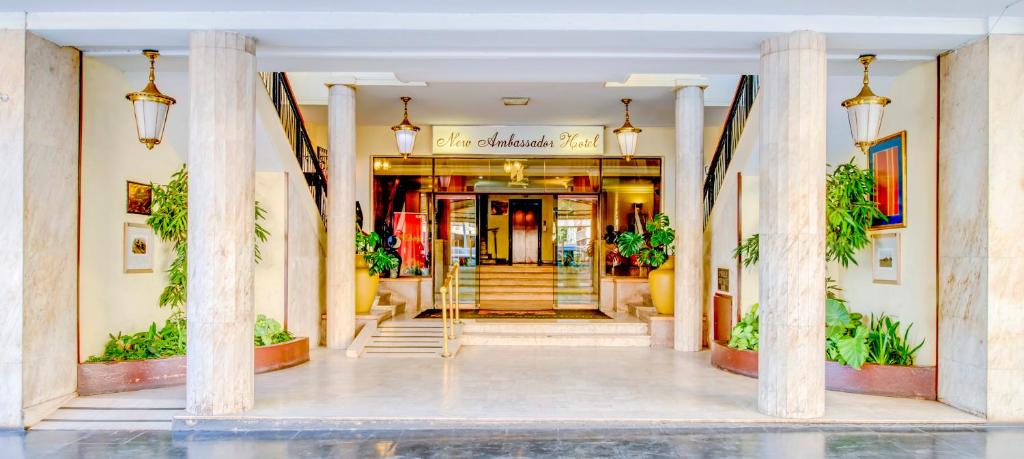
[
  {"x": 517, "y": 175},
  {"x": 631, "y": 194},
  {"x": 401, "y": 210},
  {"x": 576, "y": 279}
]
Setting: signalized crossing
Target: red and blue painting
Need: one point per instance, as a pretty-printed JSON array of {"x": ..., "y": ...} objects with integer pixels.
[{"x": 887, "y": 161}]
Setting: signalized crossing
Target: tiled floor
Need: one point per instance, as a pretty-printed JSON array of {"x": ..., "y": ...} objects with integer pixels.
[
  {"x": 525, "y": 387},
  {"x": 718, "y": 443}
]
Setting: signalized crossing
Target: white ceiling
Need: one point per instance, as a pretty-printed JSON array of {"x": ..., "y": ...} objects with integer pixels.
[{"x": 550, "y": 104}]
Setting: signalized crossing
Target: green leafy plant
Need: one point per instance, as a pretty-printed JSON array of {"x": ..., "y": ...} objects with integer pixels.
[
  {"x": 654, "y": 246},
  {"x": 150, "y": 344},
  {"x": 887, "y": 346},
  {"x": 379, "y": 260},
  {"x": 845, "y": 335},
  {"x": 269, "y": 331},
  {"x": 849, "y": 212},
  {"x": 744, "y": 334}
]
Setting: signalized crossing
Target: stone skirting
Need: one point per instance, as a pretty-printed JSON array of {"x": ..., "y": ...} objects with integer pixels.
[
  {"x": 108, "y": 377},
  {"x": 872, "y": 379}
]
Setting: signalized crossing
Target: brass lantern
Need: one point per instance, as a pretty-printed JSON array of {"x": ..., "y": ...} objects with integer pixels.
[
  {"x": 150, "y": 107},
  {"x": 627, "y": 135},
  {"x": 865, "y": 111},
  {"x": 405, "y": 132}
]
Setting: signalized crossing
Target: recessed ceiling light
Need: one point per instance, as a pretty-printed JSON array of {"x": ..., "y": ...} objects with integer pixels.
[{"x": 510, "y": 101}]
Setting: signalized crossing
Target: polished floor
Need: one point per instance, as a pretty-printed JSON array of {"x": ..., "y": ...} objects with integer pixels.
[
  {"x": 519, "y": 387},
  {"x": 739, "y": 441}
]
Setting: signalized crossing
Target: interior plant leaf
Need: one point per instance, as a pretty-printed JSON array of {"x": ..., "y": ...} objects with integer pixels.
[{"x": 854, "y": 347}]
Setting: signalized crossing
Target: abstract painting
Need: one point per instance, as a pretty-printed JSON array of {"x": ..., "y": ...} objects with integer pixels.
[
  {"x": 888, "y": 164},
  {"x": 140, "y": 198}
]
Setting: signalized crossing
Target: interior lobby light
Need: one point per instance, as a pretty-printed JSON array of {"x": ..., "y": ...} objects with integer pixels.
[
  {"x": 405, "y": 132},
  {"x": 381, "y": 164},
  {"x": 865, "y": 111},
  {"x": 150, "y": 107},
  {"x": 627, "y": 135}
]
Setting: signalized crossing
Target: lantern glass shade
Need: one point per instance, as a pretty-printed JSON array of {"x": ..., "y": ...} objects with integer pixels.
[
  {"x": 627, "y": 142},
  {"x": 150, "y": 107},
  {"x": 406, "y": 139},
  {"x": 150, "y": 120}
]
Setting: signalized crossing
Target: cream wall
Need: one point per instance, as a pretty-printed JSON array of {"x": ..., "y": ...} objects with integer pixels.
[
  {"x": 290, "y": 275},
  {"x": 913, "y": 109}
]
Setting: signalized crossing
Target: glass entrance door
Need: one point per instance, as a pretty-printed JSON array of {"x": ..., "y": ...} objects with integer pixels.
[
  {"x": 457, "y": 242},
  {"x": 576, "y": 274}
]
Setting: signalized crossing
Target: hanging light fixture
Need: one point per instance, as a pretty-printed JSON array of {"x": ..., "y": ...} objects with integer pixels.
[
  {"x": 627, "y": 135},
  {"x": 865, "y": 111},
  {"x": 405, "y": 132},
  {"x": 150, "y": 107}
]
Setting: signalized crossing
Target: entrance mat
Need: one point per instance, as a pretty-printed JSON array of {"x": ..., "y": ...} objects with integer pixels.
[{"x": 523, "y": 314}]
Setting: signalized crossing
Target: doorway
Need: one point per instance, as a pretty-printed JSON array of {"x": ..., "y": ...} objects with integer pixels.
[{"x": 525, "y": 236}]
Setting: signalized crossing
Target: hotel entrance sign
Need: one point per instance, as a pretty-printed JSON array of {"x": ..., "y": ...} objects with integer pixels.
[{"x": 518, "y": 140}]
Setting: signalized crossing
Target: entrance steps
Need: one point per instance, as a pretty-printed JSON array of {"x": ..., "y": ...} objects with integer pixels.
[
  {"x": 96, "y": 413},
  {"x": 527, "y": 286},
  {"x": 661, "y": 325},
  {"x": 562, "y": 333}
]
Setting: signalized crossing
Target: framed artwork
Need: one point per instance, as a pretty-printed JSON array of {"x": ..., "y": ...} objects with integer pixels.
[
  {"x": 887, "y": 161},
  {"x": 885, "y": 258},
  {"x": 138, "y": 248},
  {"x": 140, "y": 198},
  {"x": 499, "y": 207}
]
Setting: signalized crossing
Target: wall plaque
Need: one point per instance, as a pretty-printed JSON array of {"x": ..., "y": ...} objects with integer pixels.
[{"x": 518, "y": 140}]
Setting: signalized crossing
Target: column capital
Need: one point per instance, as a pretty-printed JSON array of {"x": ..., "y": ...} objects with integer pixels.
[
  {"x": 222, "y": 39},
  {"x": 800, "y": 39}
]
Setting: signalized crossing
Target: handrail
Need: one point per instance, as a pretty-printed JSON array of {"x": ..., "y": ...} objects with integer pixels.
[
  {"x": 742, "y": 103},
  {"x": 450, "y": 300},
  {"x": 309, "y": 159}
]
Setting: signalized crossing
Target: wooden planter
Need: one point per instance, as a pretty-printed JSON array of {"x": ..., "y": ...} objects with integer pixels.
[
  {"x": 107, "y": 377},
  {"x": 887, "y": 380}
]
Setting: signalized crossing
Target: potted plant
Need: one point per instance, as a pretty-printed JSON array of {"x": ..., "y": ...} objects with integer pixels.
[
  {"x": 654, "y": 248},
  {"x": 371, "y": 260}
]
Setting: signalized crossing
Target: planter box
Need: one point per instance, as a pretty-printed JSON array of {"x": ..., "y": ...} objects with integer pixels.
[
  {"x": 108, "y": 377},
  {"x": 887, "y": 380}
]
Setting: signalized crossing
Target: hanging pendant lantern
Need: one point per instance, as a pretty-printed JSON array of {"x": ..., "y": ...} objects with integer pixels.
[
  {"x": 627, "y": 135},
  {"x": 405, "y": 132},
  {"x": 150, "y": 107},
  {"x": 865, "y": 111}
]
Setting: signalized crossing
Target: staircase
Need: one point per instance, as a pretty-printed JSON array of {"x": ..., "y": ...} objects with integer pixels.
[
  {"x": 605, "y": 333},
  {"x": 527, "y": 287},
  {"x": 101, "y": 413},
  {"x": 381, "y": 335}
]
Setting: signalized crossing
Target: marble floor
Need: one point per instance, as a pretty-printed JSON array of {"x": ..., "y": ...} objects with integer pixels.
[
  {"x": 520, "y": 387},
  {"x": 741, "y": 441}
]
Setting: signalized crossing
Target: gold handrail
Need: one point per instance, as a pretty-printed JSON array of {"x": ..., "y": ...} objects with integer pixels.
[{"x": 449, "y": 300}]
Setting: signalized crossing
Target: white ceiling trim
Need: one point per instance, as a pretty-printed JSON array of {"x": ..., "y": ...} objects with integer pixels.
[{"x": 320, "y": 20}]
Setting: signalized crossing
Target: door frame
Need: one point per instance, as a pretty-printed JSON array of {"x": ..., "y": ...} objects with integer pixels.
[{"x": 539, "y": 203}]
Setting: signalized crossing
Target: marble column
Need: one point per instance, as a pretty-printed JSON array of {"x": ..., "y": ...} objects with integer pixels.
[
  {"x": 791, "y": 360},
  {"x": 221, "y": 242},
  {"x": 689, "y": 215},
  {"x": 341, "y": 216}
]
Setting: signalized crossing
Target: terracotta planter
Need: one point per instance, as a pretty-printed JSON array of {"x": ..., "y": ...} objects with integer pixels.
[
  {"x": 872, "y": 379},
  {"x": 662, "y": 284},
  {"x": 366, "y": 286},
  {"x": 109, "y": 377}
]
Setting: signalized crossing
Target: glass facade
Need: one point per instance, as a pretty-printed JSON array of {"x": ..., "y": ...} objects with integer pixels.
[{"x": 432, "y": 212}]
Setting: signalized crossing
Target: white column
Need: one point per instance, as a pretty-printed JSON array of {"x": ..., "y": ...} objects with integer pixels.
[
  {"x": 341, "y": 217},
  {"x": 791, "y": 360},
  {"x": 221, "y": 240},
  {"x": 689, "y": 215}
]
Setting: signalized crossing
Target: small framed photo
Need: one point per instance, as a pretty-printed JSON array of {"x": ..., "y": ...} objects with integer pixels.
[
  {"x": 138, "y": 248},
  {"x": 885, "y": 258},
  {"x": 140, "y": 198}
]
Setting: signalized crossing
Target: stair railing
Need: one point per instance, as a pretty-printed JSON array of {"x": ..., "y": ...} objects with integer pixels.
[
  {"x": 450, "y": 307},
  {"x": 742, "y": 103},
  {"x": 310, "y": 159}
]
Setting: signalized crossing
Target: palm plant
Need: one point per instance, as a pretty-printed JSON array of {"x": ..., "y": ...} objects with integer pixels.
[{"x": 652, "y": 247}]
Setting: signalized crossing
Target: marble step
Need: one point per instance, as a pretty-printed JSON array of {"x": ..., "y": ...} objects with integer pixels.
[
  {"x": 555, "y": 339},
  {"x": 110, "y": 418},
  {"x": 565, "y": 327}
]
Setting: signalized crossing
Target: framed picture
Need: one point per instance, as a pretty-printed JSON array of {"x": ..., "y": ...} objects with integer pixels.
[
  {"x": 887, "y": 161},
  {"x": 140, "y": 198},
  {"x": 499, "y": 207},
  {"x": 885, "y": 258},
  {"x": 138, "y": 248}
]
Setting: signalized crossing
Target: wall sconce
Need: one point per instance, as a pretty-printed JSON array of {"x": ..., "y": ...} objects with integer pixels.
[
  {"x": 405, "y": 132},
  {"x": 150, "y": 107},
  {"x": 381, "y": 164},
  {"x": 865, "y": 111},
  {"x": 627, "y": 135}
]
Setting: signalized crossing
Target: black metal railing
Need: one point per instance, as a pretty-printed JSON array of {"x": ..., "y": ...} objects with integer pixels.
[
  {"x": 742, "y": 102},
  {"x": 310, "y": 159}
]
